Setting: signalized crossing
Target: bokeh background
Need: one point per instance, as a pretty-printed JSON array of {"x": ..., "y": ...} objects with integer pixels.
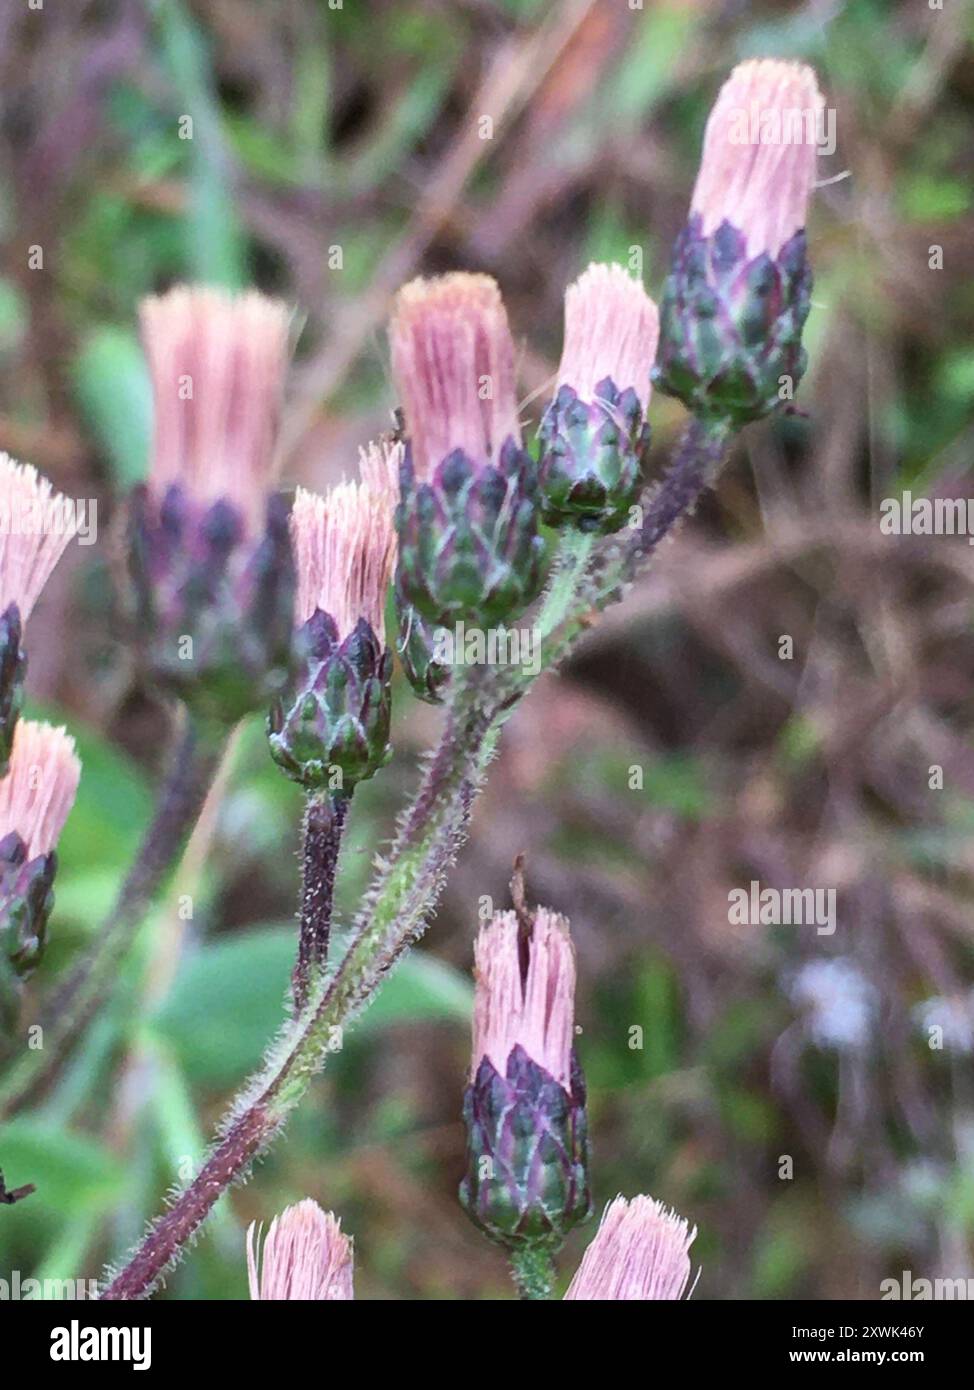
[{"x": 336, "y": 152}]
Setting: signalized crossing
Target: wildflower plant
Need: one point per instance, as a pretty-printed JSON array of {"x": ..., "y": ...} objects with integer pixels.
[{"x": 241, "y": 607}]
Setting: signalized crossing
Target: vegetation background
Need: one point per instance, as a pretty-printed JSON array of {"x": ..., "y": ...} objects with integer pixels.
[{"x": 335, "y": 152}]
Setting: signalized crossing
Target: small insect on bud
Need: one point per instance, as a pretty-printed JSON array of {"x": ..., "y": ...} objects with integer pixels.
[
  {"x": 209, "y": 548},
  {"x": 467, "y": 516},
  {"x": 739, "y": 290},
  {"x": 527, "y": 1146},
  {"x": 640, "y": 1251},
  {"x": 35, "y": 798},
  {"x": 305, "y": 1256},
  {"x": 593, "y": 436},
  {"x": 36, "y": 524},
  {"x": 334, "y": 717}
]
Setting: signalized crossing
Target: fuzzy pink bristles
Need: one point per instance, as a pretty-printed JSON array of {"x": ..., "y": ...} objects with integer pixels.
[
  {"x": 39, "y": 790},
  {"x": 305, "y": 1256},
  {"x": 532, "y": 1004},
  {"x": 453, "y": 366},
  {"x": 611, "y": 330},
  {"x": 217, "y": 362},
  {"x": 640, "y": 1251},
  {"x": 36, "y": 524},
  {"x": 758, "y": 165},
  {"x": 345, "y": 543}
]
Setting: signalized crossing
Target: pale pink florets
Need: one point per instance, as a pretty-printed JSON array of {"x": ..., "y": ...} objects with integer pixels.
[
  {"x": 758, "y": 165},
  {"x": 453, "y": 366},
  {"x": 217, "y": 362},
  {"x": 611, "y": 330},
  {"x": 640, "y": 1251},
  {"x": 525, "y": 993},
  {"x": 345, "y": 543},
  {"x": 305, "y": 1256},
  {"x": 36, "y": 524},
  {"x": 39, "y": 790}
]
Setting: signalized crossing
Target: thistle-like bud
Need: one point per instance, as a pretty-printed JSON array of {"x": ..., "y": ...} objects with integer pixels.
[
  {"x": 36, "y": 524},
  {"x": 35, "y": 798},
  {"x": 467, "y": 517},
  {"x": 305, "y": 1256},
  {"x": 527, "y": 1147},
  {"x": 739, "y": 290},
  {"x": 640, "y": 1251},
  {"x": 593, "y": 436},
  {"x": 331, "y": 728},
  {"x": 209, "y": 553}
]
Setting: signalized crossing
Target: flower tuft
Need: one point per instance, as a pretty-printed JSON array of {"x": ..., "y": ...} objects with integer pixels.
[
  {"x": 611, "y": 330},
  {"x": 345, "y": 543},
  {"x": 217, "y": 363},
  {"x": 36, "y": 524},
  {"x": 758, "y": 165},
  {"x": 640, "y": 1251},
  {"x": 453, "y": 365},
  {"x": 525, "y": 994},
  {"x": 305, "y": 1256},
  {"x": 39, "y": 790}
]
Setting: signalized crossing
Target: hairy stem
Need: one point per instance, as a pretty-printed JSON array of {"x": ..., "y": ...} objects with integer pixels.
[
  {"x": 179, "y": 804},
  {"x": 533, "y": 1272},
  {"x": 324, "y": 824},
  {"x": 409, "y": 879}
]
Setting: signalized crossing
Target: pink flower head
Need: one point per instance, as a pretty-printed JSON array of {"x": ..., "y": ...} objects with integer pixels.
[
  {"x": 305, "y": 1256},
  {"x": 36, "y": 524},
  {"x": 611, "y": 330},
  {"x": 453, "y": 365},
  {"x": 217, "y": 362},
  {"x": 759, "y": 154},
  {"x": 640, "y": 1251},
  {"x": 345, "y": 544},
  {"x": 39, "y": 790},
  {"x": 525, "y": 994}
]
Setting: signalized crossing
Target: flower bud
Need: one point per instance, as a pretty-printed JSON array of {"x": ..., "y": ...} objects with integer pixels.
[
  {"x": 739, "y": 290},
  {"x": 594, "y": 437},
  {"x": 640, "y": 1251},
  {"x": 467, "y": 516},
  {"x": 417, "y": 652},
  {"x": 209, "y": 548},
  {"x": 35, "y": 798},
  {"x": 305, "y": 1256},
  {"x": 36, "y": 524},
  {"x": 331, "y": 728},
  {"x": 527, "y": 1146}
]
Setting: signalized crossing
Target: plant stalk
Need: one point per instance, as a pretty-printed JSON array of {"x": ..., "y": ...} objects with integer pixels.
[
  {"x": 533, "y": 1272},
  {"x": 324, "y": 824}
]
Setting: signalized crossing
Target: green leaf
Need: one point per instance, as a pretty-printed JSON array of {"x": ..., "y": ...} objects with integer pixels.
[
  {"x": 69, "y": 1170},
  {"x": 111, "y": 382},
  {"x": 227, "y": 1001}
]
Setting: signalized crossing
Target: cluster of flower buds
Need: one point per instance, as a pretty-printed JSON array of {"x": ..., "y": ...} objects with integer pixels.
[
  {"x": 36, "y": 524},
  {"x": 209, "y": 550},
  {"x": 305, "y": 1256},
  {"x": 739, "y": 291},
  {"x": 594, "y": 435},
  {"x": 467, "y": 518},
  {"x": 330, "y": 729},
  {"x": 640, "y": 1251},
  {"x": 526, "y": 1179},
  {"x": 36, "y": 795}
]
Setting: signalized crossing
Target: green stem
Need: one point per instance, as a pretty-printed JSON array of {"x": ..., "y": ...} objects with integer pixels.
[
  {"x": 180, "y": 802},
  {"x": 533, "y": 1272}
]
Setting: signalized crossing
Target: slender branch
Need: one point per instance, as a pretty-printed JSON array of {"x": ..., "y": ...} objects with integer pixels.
[
  {"x": 179, "y": 804},
  {"x": 408, "y": 881},
  {"x": 324, "y": 824}
]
